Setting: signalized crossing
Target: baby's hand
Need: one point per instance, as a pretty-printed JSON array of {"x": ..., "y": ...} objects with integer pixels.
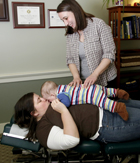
[{"x": 58, "y": 106}]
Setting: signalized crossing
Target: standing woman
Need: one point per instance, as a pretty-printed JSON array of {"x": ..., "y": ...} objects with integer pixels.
[{"x": 90, "y": 46}]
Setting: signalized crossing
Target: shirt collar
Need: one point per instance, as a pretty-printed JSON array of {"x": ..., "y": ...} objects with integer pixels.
[{"x": 87, "y": 28}]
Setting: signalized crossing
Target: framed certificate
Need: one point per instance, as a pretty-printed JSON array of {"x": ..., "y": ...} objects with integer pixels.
[
  {"x": 54, "y": 20},
  {"x": 4, "y": 13},
  {"x": 28, "y": 15}
]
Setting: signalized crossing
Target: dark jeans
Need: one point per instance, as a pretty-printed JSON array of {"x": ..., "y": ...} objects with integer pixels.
[{"x": 115, "y": 129}]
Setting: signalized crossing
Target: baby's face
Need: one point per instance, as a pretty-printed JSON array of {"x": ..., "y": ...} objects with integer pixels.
[{"x": 48, "y": 97}]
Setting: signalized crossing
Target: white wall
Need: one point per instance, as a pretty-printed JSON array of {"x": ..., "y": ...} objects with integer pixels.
[{"x": 34, "y": 52}]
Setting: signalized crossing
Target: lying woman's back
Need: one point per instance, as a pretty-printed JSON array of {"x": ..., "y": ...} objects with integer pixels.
[{"x": 86, "y": 117}]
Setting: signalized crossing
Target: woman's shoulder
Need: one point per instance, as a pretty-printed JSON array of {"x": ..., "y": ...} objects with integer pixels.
[
  {"x": 95, "y": 21},
  {"x": 95, "y": 24}
]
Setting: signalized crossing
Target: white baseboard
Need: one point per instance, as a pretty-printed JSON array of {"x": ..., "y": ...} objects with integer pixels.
[
  {"x": 2, "y": 126},
  {"x": 35, "y": 76}
]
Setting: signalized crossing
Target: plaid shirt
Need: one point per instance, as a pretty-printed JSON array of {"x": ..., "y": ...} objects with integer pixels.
[{"x": 98, "y": 44}]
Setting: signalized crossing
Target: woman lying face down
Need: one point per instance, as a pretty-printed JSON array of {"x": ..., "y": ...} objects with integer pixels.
[
  {"x": 57, "y": 127},
  {"x": 29, "y": 112}
]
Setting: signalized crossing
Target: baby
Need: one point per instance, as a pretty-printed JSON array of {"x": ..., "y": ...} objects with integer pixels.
[{"x": 95, "y": 94}]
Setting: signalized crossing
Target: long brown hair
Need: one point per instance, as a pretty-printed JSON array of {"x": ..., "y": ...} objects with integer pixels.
[
  {"x": 79, "y": 13},
  {"x": 23, "y": 118}
]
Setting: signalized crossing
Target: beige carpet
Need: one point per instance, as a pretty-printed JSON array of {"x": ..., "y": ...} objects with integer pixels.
[{"x": 6, "y": 155}]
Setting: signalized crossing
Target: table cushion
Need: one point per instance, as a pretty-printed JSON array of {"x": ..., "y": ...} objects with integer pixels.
[
  {"x": 132, "y": 147},
  {"x": 88, "y": 146}
]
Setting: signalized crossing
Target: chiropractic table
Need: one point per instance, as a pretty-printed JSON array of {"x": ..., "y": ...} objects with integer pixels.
[{"x": 86, "y": 150}]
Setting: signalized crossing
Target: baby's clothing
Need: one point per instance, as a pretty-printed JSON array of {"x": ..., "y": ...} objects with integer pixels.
[{"x": 95, "y": 94}]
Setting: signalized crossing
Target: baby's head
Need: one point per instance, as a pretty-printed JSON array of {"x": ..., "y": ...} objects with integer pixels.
[{"x": 48, "y": 90}]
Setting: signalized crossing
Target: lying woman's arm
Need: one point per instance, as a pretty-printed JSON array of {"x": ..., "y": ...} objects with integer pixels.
[
  {"x": 57, "y": 140},
  {"x": 69, "y": 135},
  {"x": 70, "y": 127}
]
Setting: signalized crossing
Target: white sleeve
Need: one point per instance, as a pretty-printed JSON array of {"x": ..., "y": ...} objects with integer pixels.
[{"x": 57, "y": 140}]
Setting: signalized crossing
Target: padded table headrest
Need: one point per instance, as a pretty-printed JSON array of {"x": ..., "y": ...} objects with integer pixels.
[{"x": 16, "y": 130}]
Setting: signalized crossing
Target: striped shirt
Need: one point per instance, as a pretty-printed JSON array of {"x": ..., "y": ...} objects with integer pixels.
[{"x": 95, "y": 94}]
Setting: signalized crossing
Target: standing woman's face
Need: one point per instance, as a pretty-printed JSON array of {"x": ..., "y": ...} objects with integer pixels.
[{"x": 68, "y": 18}]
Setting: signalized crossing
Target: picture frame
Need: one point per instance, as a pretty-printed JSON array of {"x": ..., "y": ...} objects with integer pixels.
[
  {"x": 53, "y": 19},
  {"x": 4, "y": 10},
  {"x": 28, "y": 15}
]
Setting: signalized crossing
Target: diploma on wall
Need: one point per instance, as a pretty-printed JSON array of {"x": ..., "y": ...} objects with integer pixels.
[
  {"x": 54, "y": 20},
  {"x": 28, "y": 15}
]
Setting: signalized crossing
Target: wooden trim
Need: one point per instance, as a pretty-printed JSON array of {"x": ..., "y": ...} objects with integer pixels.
[{"x": 4, "y": 16}]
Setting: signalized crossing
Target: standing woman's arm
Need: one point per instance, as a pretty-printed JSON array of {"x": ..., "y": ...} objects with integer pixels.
[
  {"x": 108, "y": 48},
  {"x": 71, "y": 64},
  {"x": 76, "y": 77}
]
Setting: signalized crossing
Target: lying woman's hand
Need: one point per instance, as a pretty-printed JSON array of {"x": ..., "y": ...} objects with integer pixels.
[
  {"x": 58, "y": 106},
  {"x": 76, "y": 82}
]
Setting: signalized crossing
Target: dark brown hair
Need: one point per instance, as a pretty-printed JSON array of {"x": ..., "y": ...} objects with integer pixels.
[
  {"x": 23, "y": 118},
  {"x": 79, "y": 13}
]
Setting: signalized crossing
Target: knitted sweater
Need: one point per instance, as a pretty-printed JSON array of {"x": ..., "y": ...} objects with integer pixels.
[{"x": 98, "y": 44}]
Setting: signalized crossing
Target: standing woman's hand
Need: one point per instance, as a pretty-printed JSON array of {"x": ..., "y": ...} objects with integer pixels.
[
  {"x": 98, "y": 71},
  {"x": 76, "y": 77},
  {"x": 90, "y": 80},
  {"x": 76, "y": 82}
]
